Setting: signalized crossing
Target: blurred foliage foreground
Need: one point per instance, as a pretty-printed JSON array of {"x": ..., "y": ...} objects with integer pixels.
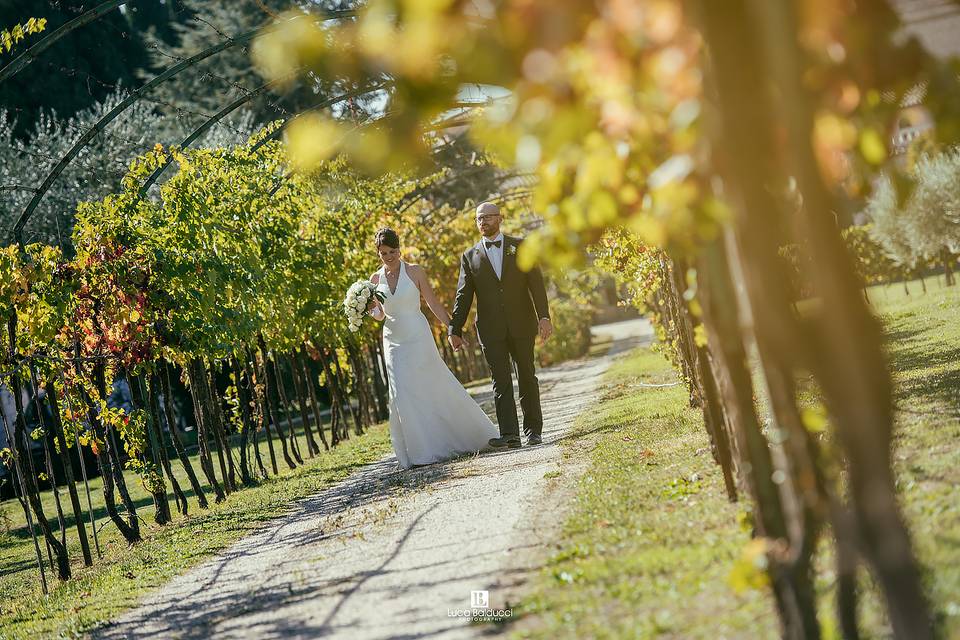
[{"x": 693, "y": 140}]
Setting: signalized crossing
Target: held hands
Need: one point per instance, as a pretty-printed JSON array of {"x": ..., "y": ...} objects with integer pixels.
[
  {"x": 456, "y": 342},
  {"x": 545, "y": 329}
]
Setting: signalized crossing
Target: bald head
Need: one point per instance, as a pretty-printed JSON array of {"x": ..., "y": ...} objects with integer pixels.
[
  {"x": 488, "y": 219},
  {"x": 488, "y": 207}
]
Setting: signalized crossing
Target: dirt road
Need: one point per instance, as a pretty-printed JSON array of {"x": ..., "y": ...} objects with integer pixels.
[{"x": 389, "y": 554}]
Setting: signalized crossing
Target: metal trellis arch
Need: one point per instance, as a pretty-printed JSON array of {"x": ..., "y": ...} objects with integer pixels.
[{"x": 131, "y": 99}]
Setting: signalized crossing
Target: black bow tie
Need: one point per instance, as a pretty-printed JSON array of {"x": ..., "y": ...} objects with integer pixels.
[{"x": 492, "y": 243}]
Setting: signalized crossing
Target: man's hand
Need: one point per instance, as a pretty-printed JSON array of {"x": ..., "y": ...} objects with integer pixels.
[
  {"x": 456, "y": 342},
  {"x": 546, "y": 329}
]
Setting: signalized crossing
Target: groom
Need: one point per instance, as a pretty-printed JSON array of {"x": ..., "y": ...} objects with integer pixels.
[{"x": 511, "y": 311}]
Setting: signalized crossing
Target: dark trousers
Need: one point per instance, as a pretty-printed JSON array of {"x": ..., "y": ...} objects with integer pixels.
[{"x": 498, "y": 353}]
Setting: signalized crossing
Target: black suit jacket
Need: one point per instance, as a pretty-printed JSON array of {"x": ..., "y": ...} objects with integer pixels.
[{"x": 514, "y": 303}]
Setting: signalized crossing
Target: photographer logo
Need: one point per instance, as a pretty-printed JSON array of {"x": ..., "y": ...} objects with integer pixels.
[
  {"x": 479, "y": 599},
  {"x": 480, "y": 610}
]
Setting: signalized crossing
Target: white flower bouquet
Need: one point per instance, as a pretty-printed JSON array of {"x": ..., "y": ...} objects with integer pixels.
[{"x": 357, "y": 300}]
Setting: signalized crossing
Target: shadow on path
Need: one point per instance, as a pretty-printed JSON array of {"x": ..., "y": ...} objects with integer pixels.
[{"x": 385, "y": 553}]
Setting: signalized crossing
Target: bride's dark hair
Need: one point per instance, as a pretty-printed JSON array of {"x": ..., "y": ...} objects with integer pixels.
[{"x": 388, "y": 237}]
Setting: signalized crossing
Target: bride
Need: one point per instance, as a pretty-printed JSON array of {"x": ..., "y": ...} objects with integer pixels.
[{"x": 432, "y": 417}]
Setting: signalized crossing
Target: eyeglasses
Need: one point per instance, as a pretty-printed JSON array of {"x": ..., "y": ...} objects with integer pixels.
[{"x": 489, "y": 216}]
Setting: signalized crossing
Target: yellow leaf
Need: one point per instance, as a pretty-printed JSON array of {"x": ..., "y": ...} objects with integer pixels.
[
  {"x": 872, "y": 147},
  {"x": 749, "y": 572},
  {"x": 700, "y": 335},
  {"x": 311, "y": 139},
  {"x": 814, "y": 419}
]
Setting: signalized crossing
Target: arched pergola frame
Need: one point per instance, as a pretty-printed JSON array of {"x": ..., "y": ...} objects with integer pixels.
[
  {"x": 27, "y": 56},
  {"x": 203, "y": 128},
  {"x": 24, "y": 59}
]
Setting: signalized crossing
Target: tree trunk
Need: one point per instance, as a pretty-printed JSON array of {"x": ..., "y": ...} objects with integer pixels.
[
  {"x": 175, "y": 437},
  {"x": 151, "y": 392},
  {"x": 215, "y": 402},
  {"x": 113, "y": 467},
  {"x": 32, "y": 491},
  {"x": 363, "y": 397},
  {"x": 250, "y": 365},
  {"x": 203, "y": 428},
  {"x": 718, "y": 299},
  {"x": 243, "y": 399},
  {"x": 713, "y": 415},
  {"x": 449, "y": 358},
  {"x": 379, "y": 385},
  {"x": 19, "y": 490},
  {"x": 341, "y": 381},
  {"x": 269, "y": 395},
  {"x": 48, "y": 459},
  {"x": 754, "y": 49},
  {"x": 469, "y": 358},
  {"x": 23, "y": 453},
  {"x": 301, "y": 401},
  {"x": 309, "y": 378},
  {"x": 83, "y": 473},
  {"x": 336, "y": 404},
  {"x": 157, "y": 487},
  {"x": 61, "y": 439},
  {"x": 844, "y": 530},
  {"x": 208, "y": 405},
  {"x": 281, "y": 392},
  {"x": 948, "y": 261},
  {"x": 130, "y": 533},
  {"x": 369, "y": 387}
]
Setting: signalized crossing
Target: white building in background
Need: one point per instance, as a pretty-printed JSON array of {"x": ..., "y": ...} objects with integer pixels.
[{"x": 936, "y": 25}]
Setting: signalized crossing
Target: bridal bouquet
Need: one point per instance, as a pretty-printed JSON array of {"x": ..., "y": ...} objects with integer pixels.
[{"x": 357, "y": 300}]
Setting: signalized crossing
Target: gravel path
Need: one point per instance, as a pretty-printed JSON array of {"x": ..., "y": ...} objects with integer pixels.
[{"x": 388, "y": 554}]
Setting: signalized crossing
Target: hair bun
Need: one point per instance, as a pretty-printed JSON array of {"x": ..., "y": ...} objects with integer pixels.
[{"x": 387, "y": 236}]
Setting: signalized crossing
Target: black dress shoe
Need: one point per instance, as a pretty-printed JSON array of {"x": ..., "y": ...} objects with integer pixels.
[
  {"x": 531, "y": 440},
  {"x": 499, "y": 443}
]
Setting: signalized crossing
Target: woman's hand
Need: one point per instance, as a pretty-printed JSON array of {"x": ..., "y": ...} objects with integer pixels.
[{"x": 375, "y": 309}]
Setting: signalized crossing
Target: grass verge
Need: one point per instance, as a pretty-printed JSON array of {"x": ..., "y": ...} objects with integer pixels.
[
  {"x": 924, "y": 348},
  {"x": 119, "y": 580},
  {"x": 650, "y": 540},
  {"x": 650, "y": 547}
]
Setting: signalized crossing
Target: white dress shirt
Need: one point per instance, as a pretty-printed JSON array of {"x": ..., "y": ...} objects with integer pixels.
[{"x": 495, "y": 254}]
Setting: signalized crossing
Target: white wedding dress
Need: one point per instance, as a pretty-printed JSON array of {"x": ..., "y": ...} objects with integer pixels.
[{"x": 432, "y": 417}]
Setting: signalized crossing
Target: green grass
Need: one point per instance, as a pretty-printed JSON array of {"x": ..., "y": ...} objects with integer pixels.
[
  {"x": 651, "y": 538},
  {"x": 650, "y": 542},
  {"x": 125, "y": 574},
  {"x": 12, "y": 514},
  {"x": 650, "y": 545},
  {"x": 924, "y": 348}
]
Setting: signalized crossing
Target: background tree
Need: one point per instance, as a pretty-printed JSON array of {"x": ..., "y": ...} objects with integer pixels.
[
  {"x": 888, "y": 226},
  {"x": 924, "y": 228},
  {"x": 932, "y": 211},
  {"x": 87, "y": 65},
  {"x": 209, "y": 85},
  {"x": 97, "y": 171}
]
